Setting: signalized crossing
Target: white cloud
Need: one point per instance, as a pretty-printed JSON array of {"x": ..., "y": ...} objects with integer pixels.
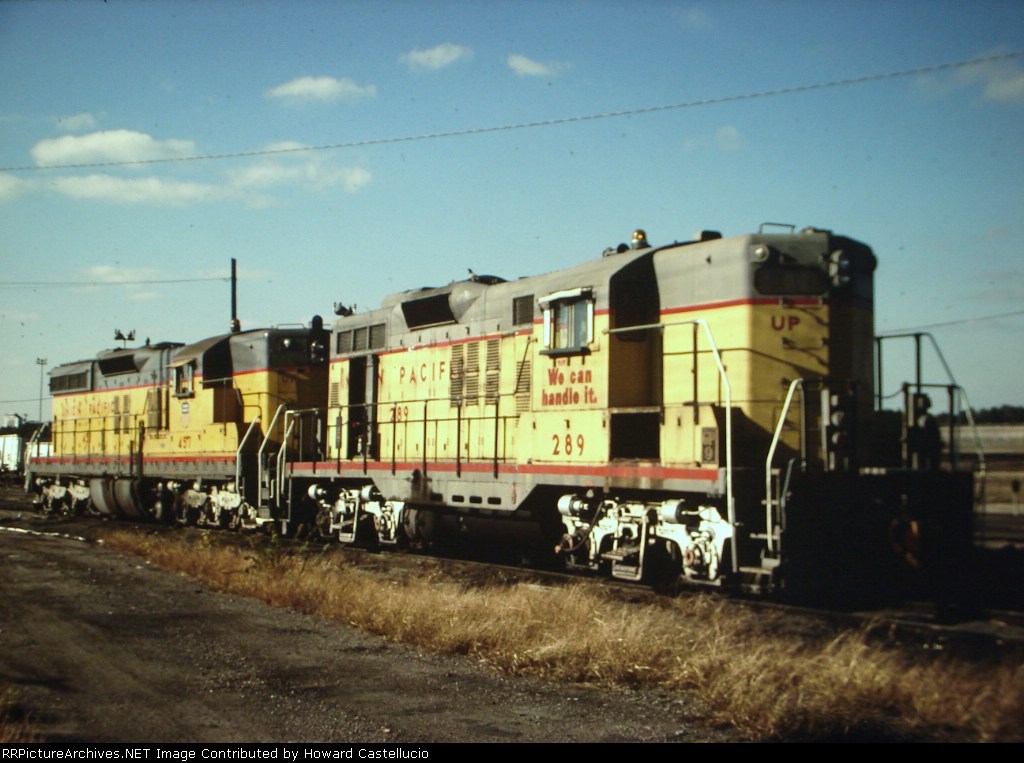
[
  {"x": 1005, "y": 86},
  {"x": 285, "y": 145},
  {"x": 527, "y": 67},
  {"x": 269, "y": 174},
  {"x": 729, "y": 138},
  {"x": 76, "y": 122},
  {"x": 440, "y": 57},
  {"x": 311, "y": 171},
  {"x": 118, "y": 274},
  {"x": 108, "y": 146},
  {"x": 131, "y": 277},
  {"x": 352, "y": 179},
  {"x": 250, "y": 184},
  {"x": 149, "y": 190},
  {"x": 10, "y": 186},
  {"x": 1001, "y": 81},
  {"x": 321, "y": 89}
]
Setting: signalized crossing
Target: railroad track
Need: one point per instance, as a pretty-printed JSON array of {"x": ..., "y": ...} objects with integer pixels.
[{"x": 982, "y": 634}]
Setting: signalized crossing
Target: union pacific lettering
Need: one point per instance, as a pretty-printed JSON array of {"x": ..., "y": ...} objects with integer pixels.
[
  {"x": 423, "y": 372},
  {"x": 98, "y": 404}
]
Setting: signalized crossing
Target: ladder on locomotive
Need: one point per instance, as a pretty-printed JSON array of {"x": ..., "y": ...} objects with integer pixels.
[{"x": 826, "y": 415}]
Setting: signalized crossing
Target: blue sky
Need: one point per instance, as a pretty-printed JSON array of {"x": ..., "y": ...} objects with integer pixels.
[{"x": 928, "y": 169}]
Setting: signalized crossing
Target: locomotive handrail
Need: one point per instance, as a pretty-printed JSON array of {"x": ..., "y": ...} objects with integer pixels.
[
  {"x": 771, "y": 456},
  {"x": 497, "y": 421},
  {"x": 280, "y": 460},
  {"x": 730, "y": 509},
  {"x": 238, "y": 454},
  {"x": 290, "y": 418},
  {"x": 28, "y": 453},
  {"x": 32, "y": 441},
  {"x": 263, "y": 447},
  {"x": 968, "y": 410}
]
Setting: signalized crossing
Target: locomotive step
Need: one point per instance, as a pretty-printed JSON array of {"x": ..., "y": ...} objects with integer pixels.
[
  {"x": 622, "y": 553},
  {"x": 760, "y": 571}
]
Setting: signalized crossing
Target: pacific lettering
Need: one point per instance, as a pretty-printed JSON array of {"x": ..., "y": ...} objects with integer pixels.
[{"x": 424, "y": 372}]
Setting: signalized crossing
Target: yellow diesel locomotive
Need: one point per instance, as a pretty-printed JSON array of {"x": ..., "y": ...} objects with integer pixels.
[
  {"x": 178, "y": 431},
  {"x": 704, "y": 409}
]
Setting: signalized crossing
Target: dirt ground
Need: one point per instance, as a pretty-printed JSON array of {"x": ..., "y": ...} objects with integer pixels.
[{"x": 100, "y": 647}]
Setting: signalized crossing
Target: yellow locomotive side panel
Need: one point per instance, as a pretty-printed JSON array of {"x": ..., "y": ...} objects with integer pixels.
[
  {"x": 448, "y": 401},
  {"x": 211, "y": 421},
  {"x": 337, "y": 420},
  {"x": 202, "y": 422},
  {"x": 763, "y": 348},
  {"x": 693, "y": 384},
  {"x": 100, "y": 424},
  {"x": 790, "y": 342},
  {"x": 569, "y": 400},
  {"x": 691, "y": 372},
  {"x": 414, "y": 386}
]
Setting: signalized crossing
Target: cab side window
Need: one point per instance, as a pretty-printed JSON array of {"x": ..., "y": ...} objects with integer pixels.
[
  {"x": 184, "y": 378},
  {"x": 568, "y": 322}
]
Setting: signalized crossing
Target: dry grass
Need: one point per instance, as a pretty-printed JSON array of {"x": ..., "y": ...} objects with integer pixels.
[
  {"x": 14, "y": 728},
  {"x": 738, "y": 668}
]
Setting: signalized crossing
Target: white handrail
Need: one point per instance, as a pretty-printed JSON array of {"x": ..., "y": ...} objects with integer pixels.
[
  {"x": 263, "y": 446},
  {"x": 283, "y": 452},
  {"x": 771, "y": 455}
]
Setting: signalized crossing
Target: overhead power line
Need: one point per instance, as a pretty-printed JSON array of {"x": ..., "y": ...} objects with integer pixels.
[
  {"x": 26, "y": 400},
  {"x": 542, "y": 123},
  {"x": 958, "y": 322},
  {"x": 51, "y": 284}
]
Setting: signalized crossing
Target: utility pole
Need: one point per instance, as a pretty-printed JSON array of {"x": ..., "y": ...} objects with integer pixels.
[{"x": 42, "y": 367}]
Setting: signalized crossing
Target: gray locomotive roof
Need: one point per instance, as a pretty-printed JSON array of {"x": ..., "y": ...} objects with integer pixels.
[
  {"x": 487, "y": 304},
  {"x": 197, "y": 350},
  {"x": 703, "y": 272},
  {"x": 74, "y": 367},
  {"x": 222, "y": 355},
  {"x": 226, "y": 354}
]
